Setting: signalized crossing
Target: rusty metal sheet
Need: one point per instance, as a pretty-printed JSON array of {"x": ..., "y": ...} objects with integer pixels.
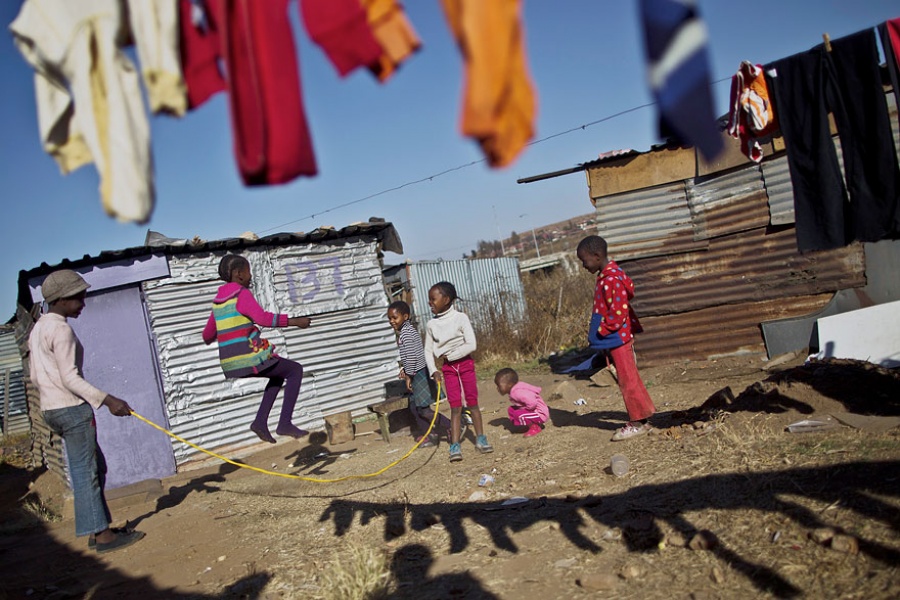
[
  {"x": 719, "y": 331},
  {"x": 728, "y": 203},
  {"x": 747, "y": 266},
  {"x": 647, "y": 222}
]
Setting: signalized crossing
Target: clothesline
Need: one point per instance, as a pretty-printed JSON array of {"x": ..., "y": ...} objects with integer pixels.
[{"x": 91, "y": 109}]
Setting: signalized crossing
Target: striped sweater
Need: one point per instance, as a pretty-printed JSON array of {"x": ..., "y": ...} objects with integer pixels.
[{"x": 233, "y": 322}]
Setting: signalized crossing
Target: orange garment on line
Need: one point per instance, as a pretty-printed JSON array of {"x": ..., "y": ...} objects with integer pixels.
[
  {"x": 499, "y": 103},
  {"x": 393, "y": 32}
]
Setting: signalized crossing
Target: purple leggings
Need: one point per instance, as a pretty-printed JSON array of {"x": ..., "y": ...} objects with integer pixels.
[{"x": 285, "y": 373}]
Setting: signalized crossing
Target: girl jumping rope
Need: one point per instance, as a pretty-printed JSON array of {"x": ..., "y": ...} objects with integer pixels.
[
  {"x": 449, "y": 336},
  {"x": 244, "y": 353}
]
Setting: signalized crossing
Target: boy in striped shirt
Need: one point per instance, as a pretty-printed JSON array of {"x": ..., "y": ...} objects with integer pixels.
[{"x": 414, "y": 370}]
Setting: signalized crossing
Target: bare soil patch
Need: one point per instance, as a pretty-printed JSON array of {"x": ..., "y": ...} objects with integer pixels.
[{"x": 719, "y": 502}]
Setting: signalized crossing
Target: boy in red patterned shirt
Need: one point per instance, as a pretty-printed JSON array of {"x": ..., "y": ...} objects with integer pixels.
[{"x": 612, "y": 329}]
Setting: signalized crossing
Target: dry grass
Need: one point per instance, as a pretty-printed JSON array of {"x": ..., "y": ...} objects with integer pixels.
[
  {"x": 557, "y": 307},
  {"x": 31, "y": 513},
  {"x": 357, "y": 573}
]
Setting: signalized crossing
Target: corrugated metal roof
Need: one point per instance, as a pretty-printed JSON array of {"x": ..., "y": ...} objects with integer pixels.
[
  {"x": 727, "y": 203},
  {"x": 383, "y": 231},
  {"x": 348, "y": 353},
  {"x": 753, "y": 265},
  {"x": 647, "y": 222},
  {"x": 487, "y": 288}
]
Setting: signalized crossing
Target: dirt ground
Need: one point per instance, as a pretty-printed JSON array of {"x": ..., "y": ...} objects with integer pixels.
[{"x": 720, "y": 501}]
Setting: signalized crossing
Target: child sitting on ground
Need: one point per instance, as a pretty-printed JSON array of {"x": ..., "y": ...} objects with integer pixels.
[
  {"x": 528, "y": 408},
  {"x": 414, "y": 370}
]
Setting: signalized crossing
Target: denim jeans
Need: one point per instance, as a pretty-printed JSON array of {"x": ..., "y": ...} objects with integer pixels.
[{"x": 87, "y": 468}]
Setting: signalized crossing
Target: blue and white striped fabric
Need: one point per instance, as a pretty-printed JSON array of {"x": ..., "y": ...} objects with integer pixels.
[{"x": 678, "y": 69}]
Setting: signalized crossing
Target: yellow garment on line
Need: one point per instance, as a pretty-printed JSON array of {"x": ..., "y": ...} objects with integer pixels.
[
  {"x": 499, "y": 105},
  {"x": 393, "y": 32}
]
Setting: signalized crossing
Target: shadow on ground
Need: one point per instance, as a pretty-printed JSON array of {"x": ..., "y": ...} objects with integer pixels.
[
  {"x": 640, "y": 511},
  {"x": 36, "y": 566}
]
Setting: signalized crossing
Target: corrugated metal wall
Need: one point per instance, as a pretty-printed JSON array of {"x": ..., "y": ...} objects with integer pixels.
[
  {"x": 13, "y": 403},
  {"x": 487, "y": 287},
  {"x": 647, "y": 222},
  {"x": 727, "y": 203},
  {"x": 348, "y": 353},
  {"x": 780, "y": 192},
  {"x": 46, "y": 448},
  {"x": 709, "y": 299}
]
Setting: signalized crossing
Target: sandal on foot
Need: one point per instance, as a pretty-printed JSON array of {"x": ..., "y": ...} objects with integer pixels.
[
  {"x": 262, "y": 433},
  {"x": 92, "y": 539},
  {"x": 123, "y": 540}
]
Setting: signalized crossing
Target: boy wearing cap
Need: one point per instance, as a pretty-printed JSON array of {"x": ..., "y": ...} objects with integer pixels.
[{"x": 68, "y": 403}]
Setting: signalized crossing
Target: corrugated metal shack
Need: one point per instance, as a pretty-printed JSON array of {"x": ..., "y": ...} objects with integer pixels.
[
  {"x": 712, "y": 248},
  {"x": 13, "y": 406},
  {"x": 488, "y": 288},
  {"x": 333, "y": 276}
]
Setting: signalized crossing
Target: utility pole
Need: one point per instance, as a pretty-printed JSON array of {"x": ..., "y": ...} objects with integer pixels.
[
  {"x": 534, "y": 237},
  {"x": 500, "y": 235}
]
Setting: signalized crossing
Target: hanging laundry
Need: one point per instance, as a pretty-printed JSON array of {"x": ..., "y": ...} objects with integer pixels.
[
  {"x": 272, "y": 142},
  {"x": 341, "y": 30},
  {"x": 393, "y": 32},
  {"x": 89, "y": 100},
  {"x": 201, "y": 49},
  {"x": 847, "y": 83},
  {"x": 751, "y": 116},
  {"x": 678, "y": 69},
  {"x": 890, "y": 42},
  {"x": 154, "y": 26},
  {"x": 498, "y": 97}
]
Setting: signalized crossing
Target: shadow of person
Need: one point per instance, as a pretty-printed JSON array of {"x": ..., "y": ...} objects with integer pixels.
[
  {"x": 314, "y": 458},
  {"x": 177, "y": 494},
  {"x": 410, "y": 565},
  {"x": 37, "y": 565},
  {"x": 609, "y": 420},
  {"x": 640, "y": 511}
]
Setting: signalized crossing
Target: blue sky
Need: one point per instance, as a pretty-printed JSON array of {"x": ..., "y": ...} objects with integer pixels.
[{"x": 586, "y": 59}]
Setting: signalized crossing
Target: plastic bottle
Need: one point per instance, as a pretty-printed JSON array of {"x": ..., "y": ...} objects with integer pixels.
[{"x": 619, "y": 464}]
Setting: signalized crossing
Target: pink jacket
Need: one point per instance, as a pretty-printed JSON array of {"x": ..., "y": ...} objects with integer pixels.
[{"x": 528, "y": 396}]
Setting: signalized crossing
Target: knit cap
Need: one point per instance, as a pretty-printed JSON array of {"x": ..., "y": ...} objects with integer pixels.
[{"x": 62, "y": 284}]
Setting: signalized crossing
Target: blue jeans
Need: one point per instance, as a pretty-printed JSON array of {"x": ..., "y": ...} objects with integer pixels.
[{"x": 87, "y": 468}]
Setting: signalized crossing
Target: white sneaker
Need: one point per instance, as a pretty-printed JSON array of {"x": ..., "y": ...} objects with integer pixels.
[{"x": 630, "y": 430}]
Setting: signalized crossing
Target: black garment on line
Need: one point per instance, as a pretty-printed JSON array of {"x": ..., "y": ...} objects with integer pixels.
[{"x": 846, "y": 82}]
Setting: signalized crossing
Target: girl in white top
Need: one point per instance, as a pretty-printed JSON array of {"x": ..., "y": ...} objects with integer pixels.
[{"x": 450, "y": 337}]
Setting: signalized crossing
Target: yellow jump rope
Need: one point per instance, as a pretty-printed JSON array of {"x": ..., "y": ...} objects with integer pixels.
[{"x": 301, "y": 477}]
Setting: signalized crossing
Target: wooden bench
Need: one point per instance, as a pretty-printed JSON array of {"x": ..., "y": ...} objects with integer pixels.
[
  {"x": 396, "y": 398},
  {"x": 384, "y": 409}
]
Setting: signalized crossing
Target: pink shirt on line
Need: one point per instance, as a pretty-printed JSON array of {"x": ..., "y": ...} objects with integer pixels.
[{"x": 56, "y": 358}]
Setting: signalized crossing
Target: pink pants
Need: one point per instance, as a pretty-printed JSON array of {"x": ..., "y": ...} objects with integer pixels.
[
  {"x": 637, "y": 400},
  {"x": 523, "y": 416},
  {"x": 459, "y": 380}
]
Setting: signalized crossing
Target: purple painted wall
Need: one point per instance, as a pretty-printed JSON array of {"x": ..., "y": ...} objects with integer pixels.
[{"x": 119, "y": 358}]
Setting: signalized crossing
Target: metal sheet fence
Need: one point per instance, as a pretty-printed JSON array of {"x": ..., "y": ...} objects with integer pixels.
[{"x": 487, "y": 288}]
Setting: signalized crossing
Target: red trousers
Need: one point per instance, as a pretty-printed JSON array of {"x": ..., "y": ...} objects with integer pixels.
[
  {"x": 460, "y": 382},
  {"x": 637, "y": 400}
]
